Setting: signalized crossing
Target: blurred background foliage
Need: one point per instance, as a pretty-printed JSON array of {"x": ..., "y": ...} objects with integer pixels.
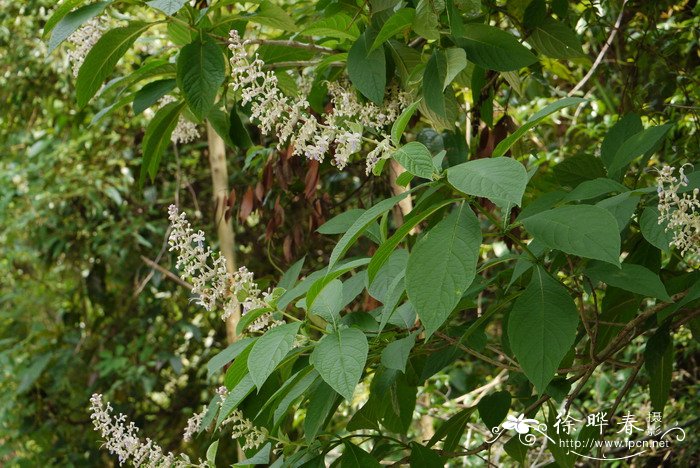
[{"x": 80, "y": 311}]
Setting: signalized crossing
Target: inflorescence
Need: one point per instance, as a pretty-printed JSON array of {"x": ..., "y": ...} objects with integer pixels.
[
  {"x": 290, "y": 120},
  {"x": 680, "y": 210}
]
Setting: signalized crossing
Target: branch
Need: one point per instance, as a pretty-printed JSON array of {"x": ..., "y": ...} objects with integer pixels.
[
  {"x": 290, "y": 43},
  {"x": 168, "y": 274}
]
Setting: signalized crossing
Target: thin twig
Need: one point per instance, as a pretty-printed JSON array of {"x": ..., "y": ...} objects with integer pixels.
[
  {"x": 168, "y": 274},
  {"x": 602, "y": 53},
  {"x": 290, "y": 43}
]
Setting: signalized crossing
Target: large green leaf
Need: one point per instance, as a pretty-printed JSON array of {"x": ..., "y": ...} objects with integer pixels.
[
  {"x": 227, "y": 355},
  {"x": 340, "y": 359},
  {"x": 427, "y": 19},
  {"x": 387, "y": 247},
  {"x": 360, "y": 225},
  {"x": 354, "y": 457},
  {"x": 501, "y": 180},
  {"x": 169, "y": 7},
  {"x": 452, "y": 430},
  {"x": 542, "y": 328},
  {"x": 269, "y": 14},
  {"x": 321, "y": 402},
  {"x": 631, "y": 277},
  {"x": 367, "y": 70},
  {"x": 623, "y": 129},
  {"x": 157, "y": 137},
  {"x": 594, "y": 189},
  {"x": 396, "y": 353},
  {"x": 539, "y": 116},
  {"x": 494, "y": 408},
  {"x": 442, "y": 266},
  {"x": 338, "y": 25},
  {"x": 400, "y": 124},
  {"x": 555, "y": 39},
  {"x": 58, "y": 14},
  {"x": 69, "y": 23},
  {"x": 635, "y": 146},
  {"x": 269, "y": 350},
  {"x": 201, "y": 70},
  {"x": 399, "y": 21},
  {"x": 151, "y": 93},
  {"x": 416, "y": 159},
  {"x": 494, "y": 48},
  {"x": 103, "y": 57},
  {"x": 328, "y": 302},
  {"x": 658, "y": 361},
  {"x": 583, "y": 230},
  {"x": 654, "y": 232},
  {"x": 423, "y": 457}
]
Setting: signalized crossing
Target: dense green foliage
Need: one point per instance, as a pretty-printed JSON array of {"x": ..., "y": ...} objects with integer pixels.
[{"x": 531, "y": 277}]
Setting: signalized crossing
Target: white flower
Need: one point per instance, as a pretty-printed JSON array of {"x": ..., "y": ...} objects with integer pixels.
[
  {"x": 84, "y": 38},
  {"x": 121, "y": 439},
  {"x": 520, "y": 424},
  {"x": 206, "y": 270},
  {"x": 184, "y": 131},
  {"x": 290, "y": 120},
  {"x": 680, "y": 211},
  {"x": 243, "y": 427},
  {"x": 193, "y": 425}
]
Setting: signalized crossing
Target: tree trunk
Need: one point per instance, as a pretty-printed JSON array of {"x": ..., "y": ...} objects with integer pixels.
[{"x": 220, "y": 189}]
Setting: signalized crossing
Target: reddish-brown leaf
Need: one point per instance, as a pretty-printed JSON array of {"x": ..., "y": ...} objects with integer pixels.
[{"x": 246, "y": 205}]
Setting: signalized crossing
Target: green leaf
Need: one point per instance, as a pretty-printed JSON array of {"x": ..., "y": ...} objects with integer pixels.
[
  {"x": 169, "y": 7},
  {"x": 427, "y": 19},
  {"x": 542, "y": 328},
  {"x": 70, "y": 22},
  {"x": 340, "y": 359},
  {"x": 355, "y": 457},
  {"x": 493, "y": 408},
  {"x": 623, "y": 129},
  {"x": 339, "y": 25},
  {"x": 329, "y": 302},
  {"x": 239, "y": 392},
  {"x": 387, "y": 247},
  {"x": 269, "y": 350},
  {"x": 494, "y": 48},
  {"x": 635, "y": 146},
  {"x": 416, "y": 159},
  {"x": 103, "y": 57},
  {"x": 594, "y": 189},
  {"x": 399, "y": 21},
  {"x": 423, "y": 457},
  {"x": 58, "y": 14},
  {"x": 396, "y": 353},
  {"x": 227, "y": 355},
  {"x": 400, "y": 124},
  {"x": 452, "y": 430},
  {"x": 442, "y": 265},
  {"x": 439, "y": 72},
  {"x": 555, "y": 39},
  {"x": 631, "y": 277},
  {"x": 211, "y": 452},
  {"x": 367, "y": 70},
  {"x": 157, "y": 137},
  {"x": 583, "y": 230},
  {"x": 269, "y": 14},
  {"x": 201, "y": 70},
  {"x": 290, "y": 276},
  {"x": 622, "y": 207},
  {"x": 658, "y": 357},
  {"x": 501, "y": 180},
  {"x": 579, "y": 168},
  {"x": 32, "y": 372},
  {"x": 219, "y": 121},
  {"x": 361, "y": 224},
  {"x": 250, "y": 317},
  {"x": 151, "y": 93},
  {"x": 296, "y": 390},
  {"x": 321, "y": 402},
  {"x": 655, "y": 233},
  {"x": 538, "y": 117},
  {"x": 262, "y": 457}
]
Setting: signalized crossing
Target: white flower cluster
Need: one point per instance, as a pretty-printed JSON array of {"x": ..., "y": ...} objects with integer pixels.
[
  {"x": 243, "y": 427},
  {"x": 681, "y": 212},
  {"x": 289, "y": 119},
  {"x": 185, "y": 131},
  {"x": 211, "y": 282},
  {"x": 240, "y": 426},
  {"x": 122, "y": 439},
  {"x": 84, "y": 38},
  {"x": 193, "y": 425}
]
